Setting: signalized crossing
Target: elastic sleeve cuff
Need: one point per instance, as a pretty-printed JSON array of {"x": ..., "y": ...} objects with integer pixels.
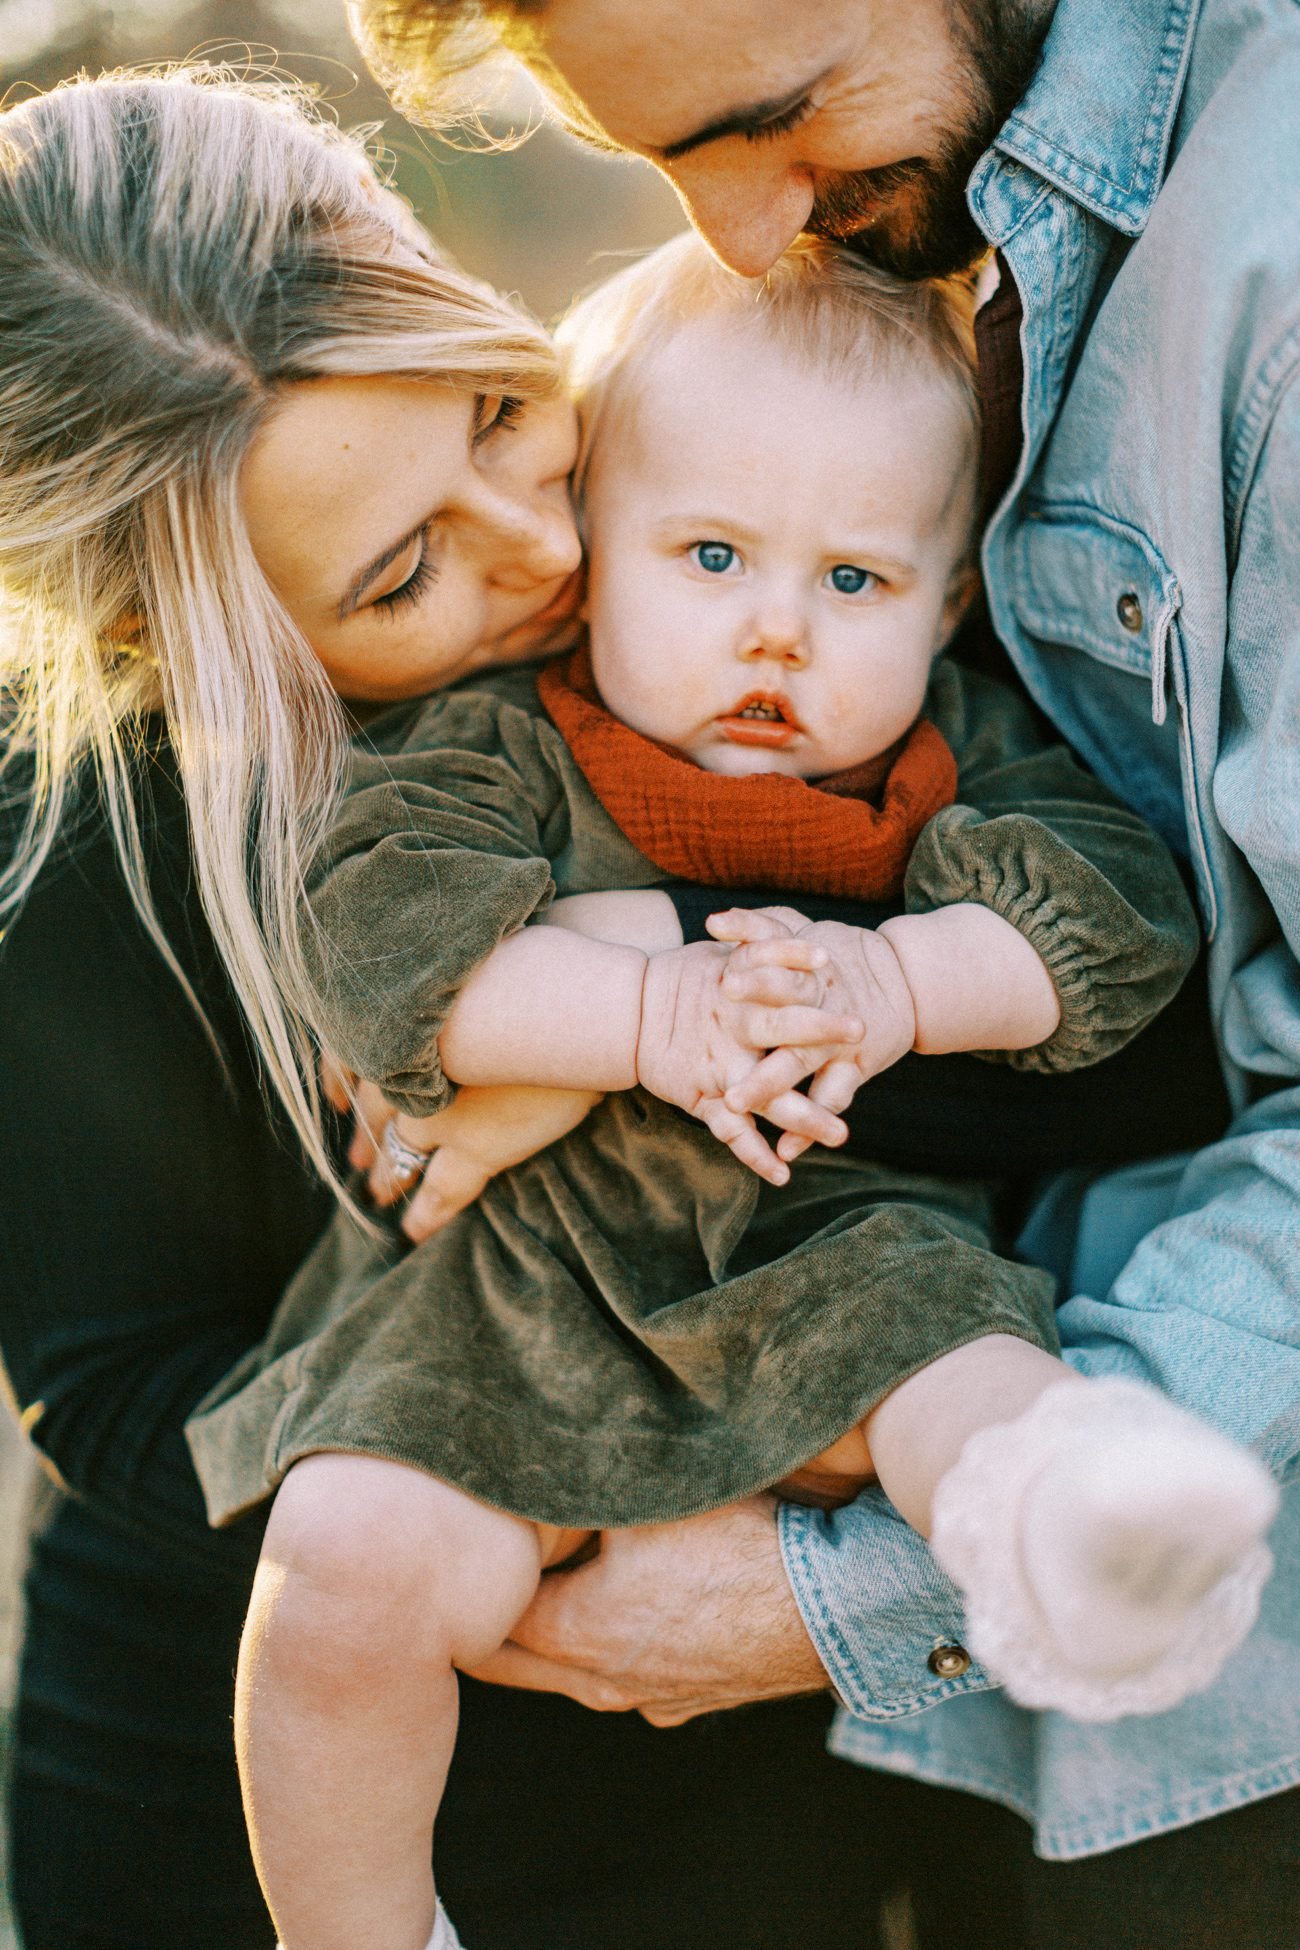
[
  {"x": 1115, "y": 961},
  {"x": 886, "y": 1622}
]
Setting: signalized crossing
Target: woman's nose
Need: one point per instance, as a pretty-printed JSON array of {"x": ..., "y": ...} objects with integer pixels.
[{"x": 531, "y": 538}]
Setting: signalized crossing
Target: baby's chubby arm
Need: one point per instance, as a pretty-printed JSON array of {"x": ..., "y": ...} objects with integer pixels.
[
  {"x": 553, "y": 1008},
  {"x": 487, "y": 1129},
  {"x": 957, "y": 978}
]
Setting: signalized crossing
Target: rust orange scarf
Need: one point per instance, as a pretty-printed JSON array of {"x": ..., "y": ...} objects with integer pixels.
[{"x": 766, "y": 830}]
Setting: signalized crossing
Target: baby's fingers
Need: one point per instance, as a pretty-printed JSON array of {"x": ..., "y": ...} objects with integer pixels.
[
  {"x": 836, "y": 1084},
  {"x": 775, "y": 987},
  {"x": 803, "y": 1123},
  {"x": 795, "y": 1026},
  {"x": 769, "y": 1080},
  {"x": 744, "y": 1140},
  {"x": 755, "y": 923}
]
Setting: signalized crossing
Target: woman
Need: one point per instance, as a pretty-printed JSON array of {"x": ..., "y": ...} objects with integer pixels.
[{"x": 178, "y": 254}]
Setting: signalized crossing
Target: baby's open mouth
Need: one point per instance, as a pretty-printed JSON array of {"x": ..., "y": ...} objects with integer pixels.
[{"x": 763, "y": 717}]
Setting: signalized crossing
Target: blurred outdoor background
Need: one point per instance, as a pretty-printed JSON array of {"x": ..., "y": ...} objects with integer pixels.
[{"x": 537, "y": 220}]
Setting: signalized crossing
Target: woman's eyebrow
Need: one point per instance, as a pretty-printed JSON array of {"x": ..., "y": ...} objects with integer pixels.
[{"x": 362, "y": 580}]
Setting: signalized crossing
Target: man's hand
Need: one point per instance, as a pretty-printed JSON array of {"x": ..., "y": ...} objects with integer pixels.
[
  {"x": 670, "y": 1621},
  {"x": 860, "y": 975},
  {"x": 699, "y": 1039}
]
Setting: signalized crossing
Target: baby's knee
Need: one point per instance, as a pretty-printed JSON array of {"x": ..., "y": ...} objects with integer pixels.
[{"x": 363, "y": 1556}]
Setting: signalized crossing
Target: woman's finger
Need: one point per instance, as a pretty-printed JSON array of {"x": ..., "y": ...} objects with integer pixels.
[
  {"x": 336, "y": 1082},
  {"x": 452, "y": 1180}
]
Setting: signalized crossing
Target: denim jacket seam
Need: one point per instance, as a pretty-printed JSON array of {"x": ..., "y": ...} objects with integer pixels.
[
  {"x": 1273, "y": 380},
  {"x": 1108, "y": 196}
]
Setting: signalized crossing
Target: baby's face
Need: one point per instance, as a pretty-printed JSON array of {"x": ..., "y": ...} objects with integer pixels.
[{"x": 773, "y": 554}]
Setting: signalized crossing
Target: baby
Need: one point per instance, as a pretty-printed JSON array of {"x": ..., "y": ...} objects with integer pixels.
[{"x": 634, "y": 1324}]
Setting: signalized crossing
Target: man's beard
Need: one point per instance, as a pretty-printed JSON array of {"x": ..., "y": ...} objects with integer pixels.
[{"x": 911, "y": 217}]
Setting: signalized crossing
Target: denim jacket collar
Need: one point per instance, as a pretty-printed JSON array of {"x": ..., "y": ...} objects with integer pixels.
[{"x": 1098, "y": 116}]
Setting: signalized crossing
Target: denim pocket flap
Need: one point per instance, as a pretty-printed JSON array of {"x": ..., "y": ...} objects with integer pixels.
[{"x": 1081, "y": 578}]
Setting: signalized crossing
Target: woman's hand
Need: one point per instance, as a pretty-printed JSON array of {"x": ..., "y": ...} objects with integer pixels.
[
  {"x": 483, "y": 1131},
  {"x": 670, "y": 1620}
]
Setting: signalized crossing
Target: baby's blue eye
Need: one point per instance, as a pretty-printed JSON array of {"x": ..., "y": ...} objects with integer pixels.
[
  {"x": 716, "y": 557},
  {"x": 848, "y": 581}
]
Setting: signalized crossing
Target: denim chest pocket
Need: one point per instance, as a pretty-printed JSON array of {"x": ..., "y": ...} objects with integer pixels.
[
  {"x": 1081, "y": 578},
  {"x": 1084, "y": 581}
]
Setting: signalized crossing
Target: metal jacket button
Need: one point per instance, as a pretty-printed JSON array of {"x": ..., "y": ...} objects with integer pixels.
[
  {"x": 948, "y": 1660},
  {"x": 1129, "y": 611}
]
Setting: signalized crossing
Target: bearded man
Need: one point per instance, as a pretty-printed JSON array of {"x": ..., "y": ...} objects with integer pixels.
[{"x": 1133, "y": 166}]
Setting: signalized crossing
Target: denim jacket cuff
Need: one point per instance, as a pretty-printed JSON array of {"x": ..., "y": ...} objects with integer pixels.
[{"x": 886, "y": 1622}]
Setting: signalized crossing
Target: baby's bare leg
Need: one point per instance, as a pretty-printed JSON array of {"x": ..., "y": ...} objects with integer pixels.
[
  {"x": 1108, "y": 1545},
  {"x": 375, "y": 1582}
]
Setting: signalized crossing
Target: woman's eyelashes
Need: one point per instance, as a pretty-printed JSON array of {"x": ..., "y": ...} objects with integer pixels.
[
  {"x": 495, "y": 413},
  {"x": 422, "y": 576}
]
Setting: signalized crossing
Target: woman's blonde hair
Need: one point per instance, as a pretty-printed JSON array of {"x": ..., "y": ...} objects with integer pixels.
[
  {"x": 176, "y": 248},
  {"x": 829, "y": 309}
]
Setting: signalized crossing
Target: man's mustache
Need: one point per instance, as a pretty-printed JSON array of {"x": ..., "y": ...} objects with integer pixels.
[{"x": 852, "y": 202}]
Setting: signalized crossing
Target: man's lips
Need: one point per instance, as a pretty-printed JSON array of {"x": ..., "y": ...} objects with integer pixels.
[{"x": 763, "y": 718}]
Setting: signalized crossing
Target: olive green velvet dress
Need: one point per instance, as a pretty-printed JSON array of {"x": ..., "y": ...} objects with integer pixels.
[{"x": 630, "y": 1327}]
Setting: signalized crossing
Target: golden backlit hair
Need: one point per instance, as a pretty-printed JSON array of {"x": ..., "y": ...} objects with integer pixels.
[
  {"x": 177, "y": 248},
  {"x": 830, "y": 310}
]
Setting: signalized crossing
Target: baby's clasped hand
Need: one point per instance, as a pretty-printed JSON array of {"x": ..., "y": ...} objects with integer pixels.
[
  {"x": 859, "y": 974},
  {"x": 699, "y": 1040}
]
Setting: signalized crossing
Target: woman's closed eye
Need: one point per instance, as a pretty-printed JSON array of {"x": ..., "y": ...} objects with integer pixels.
[
  {"x": 422, "y": 577},
  {"x": 495, "y": 413}
]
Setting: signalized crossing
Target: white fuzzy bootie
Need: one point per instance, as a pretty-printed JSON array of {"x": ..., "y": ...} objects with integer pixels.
[{"x": 1109, "y": 1547}]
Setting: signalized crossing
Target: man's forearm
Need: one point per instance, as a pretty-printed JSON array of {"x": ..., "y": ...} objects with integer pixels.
[{"x": 551, "y": 1008}]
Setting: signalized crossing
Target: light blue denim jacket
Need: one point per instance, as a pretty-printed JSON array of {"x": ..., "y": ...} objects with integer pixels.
[{"x": 1144, "y": 571}]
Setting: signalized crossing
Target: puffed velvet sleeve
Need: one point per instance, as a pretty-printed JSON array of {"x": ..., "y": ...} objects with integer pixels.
[
  {"x": 441, "y": 848},
  {"x": 1042, "y": 842}
]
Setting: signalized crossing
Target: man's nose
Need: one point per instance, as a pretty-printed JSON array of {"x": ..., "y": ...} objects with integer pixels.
[{"x": 746, "y": 217}]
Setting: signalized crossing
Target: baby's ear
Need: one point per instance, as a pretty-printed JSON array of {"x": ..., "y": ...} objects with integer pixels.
[{"x": 963, "y": 587}]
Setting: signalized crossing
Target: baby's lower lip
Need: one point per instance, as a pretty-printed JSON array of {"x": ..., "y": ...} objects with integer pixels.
[{"x": 773, "y": 734}]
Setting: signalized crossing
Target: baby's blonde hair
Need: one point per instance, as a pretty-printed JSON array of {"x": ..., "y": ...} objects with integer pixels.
[
  {"x": 831, "y": 311},
  {"x": 176, "y": 249}
]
